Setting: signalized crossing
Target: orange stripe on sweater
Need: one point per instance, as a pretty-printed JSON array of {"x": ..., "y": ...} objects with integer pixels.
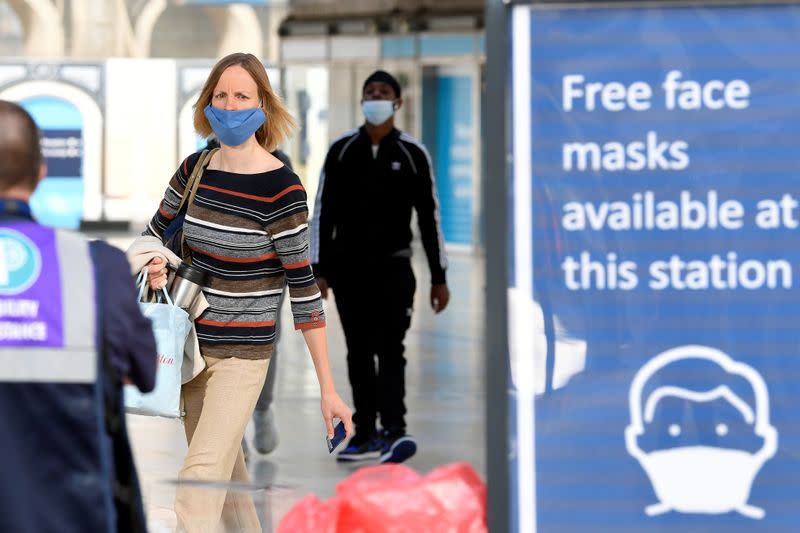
[
  {"x": 165, "y": 214},
  {"x": 269, "y": 199},
  {"x": 301, "y": 264},
  {"x": 309, "y": 325},
  {"x": 264, "y": 257},
  {"x": 235, "y": 324}
]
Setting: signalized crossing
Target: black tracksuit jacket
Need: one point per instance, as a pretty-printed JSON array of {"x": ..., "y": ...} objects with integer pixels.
[{"x": 362, "y": 216}]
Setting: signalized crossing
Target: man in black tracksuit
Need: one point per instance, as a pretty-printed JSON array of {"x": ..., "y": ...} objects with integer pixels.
[{"x": 361, "y": 249}]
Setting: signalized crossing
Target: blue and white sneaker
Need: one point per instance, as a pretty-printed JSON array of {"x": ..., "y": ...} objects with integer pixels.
[
  {"x": 397, "y": 447},
  {"x": 362, "y": 447}
]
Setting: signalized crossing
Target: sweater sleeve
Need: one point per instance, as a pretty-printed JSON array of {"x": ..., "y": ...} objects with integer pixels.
[
  {"x": 289, "y": 233},
  {"x": 168, "y": 209}
]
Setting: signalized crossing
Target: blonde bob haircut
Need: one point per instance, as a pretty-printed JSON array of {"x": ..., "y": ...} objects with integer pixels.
[{"x": 279, "y": 123}]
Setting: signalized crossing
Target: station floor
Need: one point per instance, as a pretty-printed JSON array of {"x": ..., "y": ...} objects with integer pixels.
[{"x": 445, "y": 400}]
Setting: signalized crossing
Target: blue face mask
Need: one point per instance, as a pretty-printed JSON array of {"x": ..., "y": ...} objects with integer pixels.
[
  {"x": 377, "y": 111},
  {"x": 233, "y": 128}
]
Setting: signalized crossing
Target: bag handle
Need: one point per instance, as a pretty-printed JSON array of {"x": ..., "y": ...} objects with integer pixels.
[
  {"x": 189, "y": 192},
  {"x": 141, "y": 281},
  {"x": 194, "y": 178}
]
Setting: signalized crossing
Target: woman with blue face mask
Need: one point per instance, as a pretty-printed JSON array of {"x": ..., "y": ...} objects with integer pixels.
[{"x": 247, "y": 229}]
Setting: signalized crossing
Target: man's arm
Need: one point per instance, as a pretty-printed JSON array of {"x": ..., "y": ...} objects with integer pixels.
[
  {"x": 127, "y": 334},
  {"x": 323, "y": 221},
  {"x": 426, "y": 202}
]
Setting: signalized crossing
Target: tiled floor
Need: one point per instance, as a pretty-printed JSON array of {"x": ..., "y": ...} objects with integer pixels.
[
  {"x": 445, "y": 393},
  {"x": 445, "y": 387}
]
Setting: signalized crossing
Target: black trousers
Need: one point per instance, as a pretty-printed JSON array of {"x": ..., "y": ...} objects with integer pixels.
[{"x": 375, "y": 315}]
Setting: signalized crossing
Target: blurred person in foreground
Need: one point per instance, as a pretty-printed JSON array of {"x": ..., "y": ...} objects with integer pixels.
[
  {"x": 247, "y": 229},
  {"x": 70, "y": 334},
  {"x": 373, "y": 178}
]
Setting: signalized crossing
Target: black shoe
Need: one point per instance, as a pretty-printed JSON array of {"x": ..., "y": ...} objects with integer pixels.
[
  {"x": 362, "y": 447},
  {"x": 397, "y": 446}
]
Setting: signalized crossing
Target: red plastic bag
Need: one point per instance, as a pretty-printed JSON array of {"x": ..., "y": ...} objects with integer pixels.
[
  {"x": 386, "y": 499},
  {"x": 377, "y": 477},
  {"x": 394, "y": 499},
  {"x": 462, "y": 496},
  {"x": 311, "y": 514}
]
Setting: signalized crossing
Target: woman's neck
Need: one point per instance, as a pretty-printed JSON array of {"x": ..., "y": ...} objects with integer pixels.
[{"x": 247, "y": 158}]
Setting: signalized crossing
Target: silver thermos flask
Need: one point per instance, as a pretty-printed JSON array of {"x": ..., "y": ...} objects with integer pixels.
[{"x": 188, "y": 282}]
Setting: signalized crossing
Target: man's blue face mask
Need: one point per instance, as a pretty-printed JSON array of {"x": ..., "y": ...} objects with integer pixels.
[
  {"x": 233, "y": 128},
  {"x": 377, "y": 111}
]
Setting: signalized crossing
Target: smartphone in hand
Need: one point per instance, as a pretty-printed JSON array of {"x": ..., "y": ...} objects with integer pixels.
[{"x": 339, "y": 434}]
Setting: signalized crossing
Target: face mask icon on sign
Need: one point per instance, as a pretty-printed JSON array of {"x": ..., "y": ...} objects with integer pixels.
[{"x": 701, "y": 446}]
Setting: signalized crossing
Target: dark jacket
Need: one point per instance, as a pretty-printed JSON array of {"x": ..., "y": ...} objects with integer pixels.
[
  {"x": 362, "y": 215},
  {"x": 66, "y": 461}
]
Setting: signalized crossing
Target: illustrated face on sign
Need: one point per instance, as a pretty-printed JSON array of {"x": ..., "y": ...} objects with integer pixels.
[
  {"x": 676, "y": 416},
  {"x": 701, "y": 446}
]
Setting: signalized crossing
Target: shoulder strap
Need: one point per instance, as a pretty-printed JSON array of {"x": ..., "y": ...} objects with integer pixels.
[
  {"x": 188, "y": 196},
  {"x": 194, "y": 178}
]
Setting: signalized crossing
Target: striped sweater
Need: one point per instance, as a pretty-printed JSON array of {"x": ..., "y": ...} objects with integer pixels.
[{"x": 249, "y": 232}]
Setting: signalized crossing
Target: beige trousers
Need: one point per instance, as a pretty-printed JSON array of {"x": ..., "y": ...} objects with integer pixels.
[{"x": 218, "y": 404}]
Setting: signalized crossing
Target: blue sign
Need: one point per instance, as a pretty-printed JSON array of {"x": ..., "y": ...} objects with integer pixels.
[
  {"x": 654, "y": 303},
  {"x": 449, "y": 134},
  {"x": 58, "y": 201},
  {"x": 63, "y": 152}
]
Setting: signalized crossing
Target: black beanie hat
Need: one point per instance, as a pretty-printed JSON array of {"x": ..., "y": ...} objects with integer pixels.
[{"x": 385, "y": 77}]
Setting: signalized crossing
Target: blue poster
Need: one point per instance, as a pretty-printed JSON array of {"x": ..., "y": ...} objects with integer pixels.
[
  {"x": 655, "y": 295},
  {"x": 58, "y": 201},
  {"x": 449, "y": 137}
]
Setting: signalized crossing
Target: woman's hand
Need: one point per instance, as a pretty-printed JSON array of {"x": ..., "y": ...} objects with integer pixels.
[
  {"x": 157, "y": 273},
  {"x": 333, "y": 406}
]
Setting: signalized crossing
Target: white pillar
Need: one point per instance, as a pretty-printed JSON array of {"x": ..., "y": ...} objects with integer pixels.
[
  {"x": 272, "y": 41},
  {"x": 93, "y": 29},
  {"x": 102, "y": 28},
  {"x": 143, "y": 27},
  {"x": 43, "y": 26},
  {"x": 240, "y": 32}
]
